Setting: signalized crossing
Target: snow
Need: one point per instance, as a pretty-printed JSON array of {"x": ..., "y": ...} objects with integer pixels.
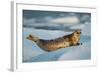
[{"x": 33, "y": 53}]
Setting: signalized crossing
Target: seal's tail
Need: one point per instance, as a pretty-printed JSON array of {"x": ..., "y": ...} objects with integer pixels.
[{"x": 33, "y": 38}]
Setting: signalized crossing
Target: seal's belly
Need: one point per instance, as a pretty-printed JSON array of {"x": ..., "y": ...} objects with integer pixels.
[{"x": 53, "y": 45}]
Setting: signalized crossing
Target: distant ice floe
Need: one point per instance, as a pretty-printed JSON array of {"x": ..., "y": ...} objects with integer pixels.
[
  {"x": 78, "y": 26},
  {"x": 67, "y": 23},
  {"x": 66, "y": 20},
  {"x": 28, "y": 21}
]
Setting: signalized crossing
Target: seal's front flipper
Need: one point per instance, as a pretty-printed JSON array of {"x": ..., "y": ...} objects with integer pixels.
[{"x": 79, "y": 44}]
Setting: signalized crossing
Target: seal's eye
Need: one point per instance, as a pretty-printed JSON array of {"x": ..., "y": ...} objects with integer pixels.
[{"x": 78, "y": 32}]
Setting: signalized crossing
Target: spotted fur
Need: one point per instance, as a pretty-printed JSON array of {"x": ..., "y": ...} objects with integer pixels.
[{"x": 58, "y": 43}]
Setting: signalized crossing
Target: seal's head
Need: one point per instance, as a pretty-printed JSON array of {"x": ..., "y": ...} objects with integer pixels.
[
  {"x": 77, "y": 33},
  {"x": 75, "y": 37},
  {"x": 33, "y": 38}
]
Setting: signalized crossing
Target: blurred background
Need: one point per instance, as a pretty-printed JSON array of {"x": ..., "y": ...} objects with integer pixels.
[{"x": 52, "y": 20}]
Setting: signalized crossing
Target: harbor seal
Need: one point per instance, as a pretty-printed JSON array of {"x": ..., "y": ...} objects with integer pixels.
[{"x": 58, "y": 43}]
